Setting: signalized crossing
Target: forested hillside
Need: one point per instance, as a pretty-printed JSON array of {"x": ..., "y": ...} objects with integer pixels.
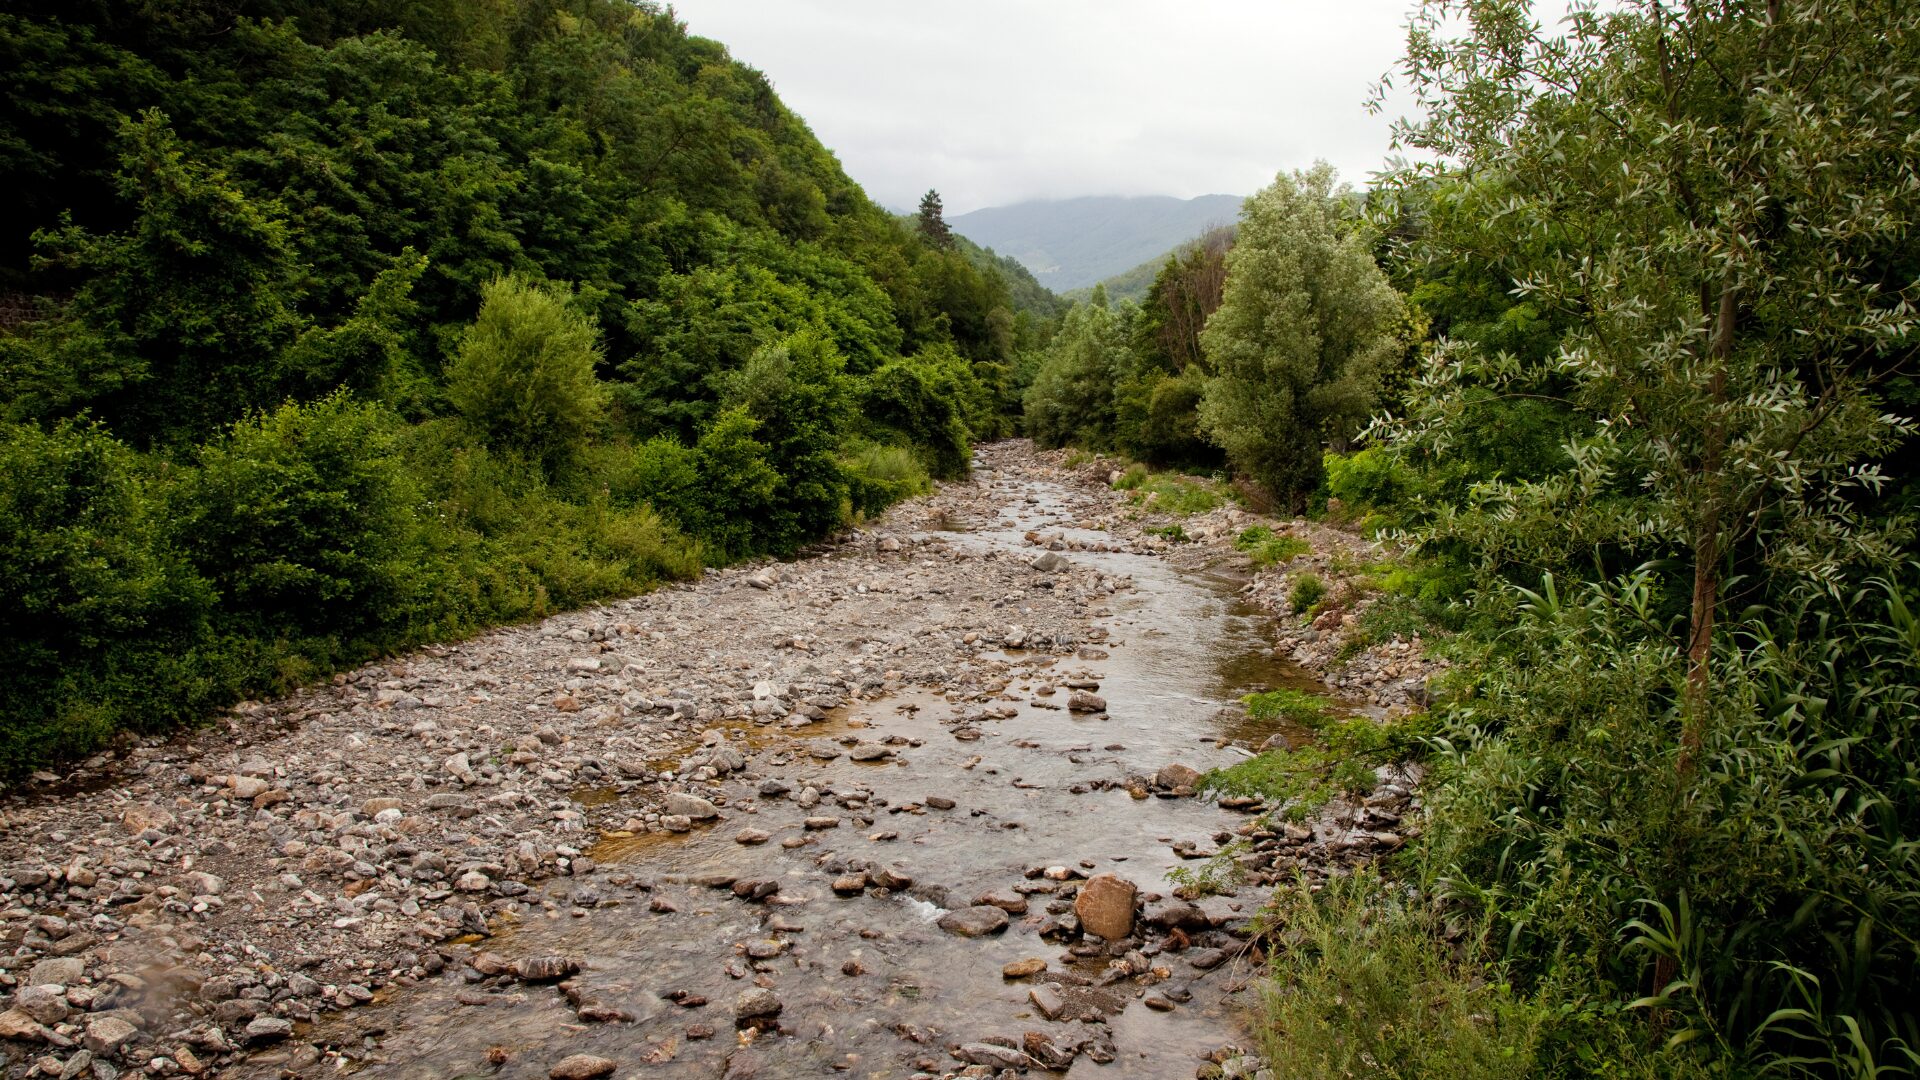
[
  {"x": 1621, "y": 360},
  {"x": 331, "y": 328},
  {"x": 1136, "y": 283}
]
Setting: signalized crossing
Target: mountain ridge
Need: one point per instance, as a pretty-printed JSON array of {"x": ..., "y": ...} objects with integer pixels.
[{"x": 1075, "y": 242}]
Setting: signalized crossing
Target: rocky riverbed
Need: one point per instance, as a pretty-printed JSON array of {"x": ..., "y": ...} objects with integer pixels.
[{"x": 917, "y": 804}]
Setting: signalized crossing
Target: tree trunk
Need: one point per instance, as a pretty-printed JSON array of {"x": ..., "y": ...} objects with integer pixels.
[{"x": 1706, "y": 541}]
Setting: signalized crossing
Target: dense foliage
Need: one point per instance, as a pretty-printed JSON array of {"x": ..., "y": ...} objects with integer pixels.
[
  {"x": 327, "y": 329},
  {"x": 1665, "y": 434}
]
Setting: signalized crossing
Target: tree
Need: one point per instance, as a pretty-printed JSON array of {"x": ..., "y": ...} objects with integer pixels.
[
  {"x": 1185, "y": 294},
  {"x": 1071, "y": 399},
  {"x": 524, "y": 375},
  {"x": 192, "y": 304},
  {"x": 931, "y": 221},
  {"x": 1305, "y": 321},
  {"x": 1718, "y": 197},
  {"x": 1714, "y": 204}
]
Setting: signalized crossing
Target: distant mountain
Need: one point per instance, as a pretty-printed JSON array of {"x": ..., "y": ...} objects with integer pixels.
[{"x": 1073, "y": 243}]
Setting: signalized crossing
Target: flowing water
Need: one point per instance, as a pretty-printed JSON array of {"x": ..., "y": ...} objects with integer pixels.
[{"x": 1028, "y": 793}]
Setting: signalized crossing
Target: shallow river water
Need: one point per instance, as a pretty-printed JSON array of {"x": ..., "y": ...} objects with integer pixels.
[{"x": 870, "y": 986}]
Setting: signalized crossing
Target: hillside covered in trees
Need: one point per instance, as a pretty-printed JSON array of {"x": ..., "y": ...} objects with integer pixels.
[
  {"x": 1622, "y": 360},
  {"x": 332, "y": 328}
]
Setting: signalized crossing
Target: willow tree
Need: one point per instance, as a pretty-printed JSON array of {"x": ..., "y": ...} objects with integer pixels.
[
  {"x": 1717, "y": 202},
  {"x": 1720, "y": 198},
  {"x": 1305, "y": 323}
]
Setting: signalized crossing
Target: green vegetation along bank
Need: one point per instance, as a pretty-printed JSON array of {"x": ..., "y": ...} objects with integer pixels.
[
  {"x": 1625, "y": 361},
  {"x": 330, "y": 329}
]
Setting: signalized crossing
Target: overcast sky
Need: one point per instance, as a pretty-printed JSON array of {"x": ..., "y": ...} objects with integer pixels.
[{"x": 997, "y": 101}]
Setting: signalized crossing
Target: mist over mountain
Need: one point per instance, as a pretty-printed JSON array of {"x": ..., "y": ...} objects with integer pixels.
[{"x": 1072, "y": 243}]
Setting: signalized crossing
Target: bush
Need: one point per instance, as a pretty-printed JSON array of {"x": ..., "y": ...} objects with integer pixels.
[
  {"x": 1308, "y": 589},
  {"x": 1157, "y": 419},
  {"x": 739, "y": 483},
  {"x": 1330, "y": 754},
  {"x": 96, "y": 614},
  {"x": 801, "y": 401},
  {"x": 923, "y": 399},
  {"x": 524, "y": 374},
  {"x": 1368, "y": 482},
  {"x": 1171, "y": 493},
  {"x": 1071, "y": 398},
  {"x": 300, "y": 518}
]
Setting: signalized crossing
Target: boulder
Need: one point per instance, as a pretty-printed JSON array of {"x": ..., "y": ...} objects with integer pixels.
[
  {"x": 1105, "y": 906},
  {"x": 1176, "y": 776},
  {"x": 692, "y": 807},
  {"x": 755, "y": 1003},
  {"x": 978, "y": 921}
]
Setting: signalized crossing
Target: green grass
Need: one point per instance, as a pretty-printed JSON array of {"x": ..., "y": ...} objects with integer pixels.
[
  {"x": 1340, "y": 759},
  {"x": 1364, "y": 986},
  {"x": 1266, "y": 548},
  {"x": 1371, "y": 981},
  {"x": 1175, "y": 533},
  {"x": 1172, "y": 493}
]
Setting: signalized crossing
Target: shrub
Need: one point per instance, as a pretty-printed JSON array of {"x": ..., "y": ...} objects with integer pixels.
[
  {"x": 96, "y": 614},
  {"x": 1071, "y": 398},
  {"x": 300, "y": 517},
  {"x": 1171, "y": 493},
  {"x": 1131, "y": 480},
  {"x": 923, "y": 398},
  {"x": 739, "y": 483},
  {"x": 1308, "y": 589},
  {"x": 1368, "y": 482},
  {"x": 1157, "y": 419},
  {"x": 1332, "y": 754},
  {"x": 524, "y": 374}
]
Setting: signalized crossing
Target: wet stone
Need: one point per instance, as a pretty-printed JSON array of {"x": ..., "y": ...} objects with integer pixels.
[
  {"x": 972, "y": 922},
  {"x": 1105, "y": 906},
  {"x": 1021, "y": 969},
  {"x": 755, "y": 1003},
  {"x": 581, "y": 1067}
]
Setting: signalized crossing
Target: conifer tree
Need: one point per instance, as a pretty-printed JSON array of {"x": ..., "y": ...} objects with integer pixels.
[{"x": 932, "y": 222}]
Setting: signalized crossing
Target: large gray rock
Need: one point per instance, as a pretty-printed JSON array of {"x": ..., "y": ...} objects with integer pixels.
[
  {"x": 978, "y": 921},
  {"x": 107, "y": 1034},
  {"x": 1050, "y": 562},
  {"x": 692, "y": 807},
  {"x": 57, "y": 971},
  {"x": 992, "y": 1056},
  {"x": 1176, "y": 776},
  {"x": 268, "y": 1029}
]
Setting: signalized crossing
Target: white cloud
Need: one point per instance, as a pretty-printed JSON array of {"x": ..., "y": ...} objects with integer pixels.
[{"x": 996, "y": 101}]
